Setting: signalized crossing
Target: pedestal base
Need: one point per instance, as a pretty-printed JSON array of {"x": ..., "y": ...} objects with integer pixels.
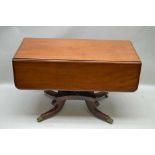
[{"x": 90, "y": 98}]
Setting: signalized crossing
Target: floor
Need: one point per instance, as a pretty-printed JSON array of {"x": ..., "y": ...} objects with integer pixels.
[{"x": 20, "y": 108}]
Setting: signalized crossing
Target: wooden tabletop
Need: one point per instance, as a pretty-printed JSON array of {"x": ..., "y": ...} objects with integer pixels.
[{"x": 77, "y": 49}]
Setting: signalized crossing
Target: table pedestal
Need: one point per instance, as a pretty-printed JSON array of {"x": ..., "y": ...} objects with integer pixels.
[{"x": 90, "y": 98}]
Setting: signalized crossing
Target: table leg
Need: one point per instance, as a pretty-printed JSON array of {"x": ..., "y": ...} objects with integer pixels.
[
  {"x": 92, "y": 108},
  {"x": 89, "y": 96},
  {"x": 58, "y": 105}
]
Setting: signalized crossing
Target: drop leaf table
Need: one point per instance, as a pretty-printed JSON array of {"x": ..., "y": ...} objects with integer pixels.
[{"x": 79, "y": 69}]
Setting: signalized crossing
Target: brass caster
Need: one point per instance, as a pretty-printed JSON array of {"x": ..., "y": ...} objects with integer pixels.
[
  {"x": 40, "y": 119},
  {"x": 109, "y": 120}
]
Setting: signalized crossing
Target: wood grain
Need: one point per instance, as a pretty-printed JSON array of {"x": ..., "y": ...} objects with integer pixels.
[
  {"x": 77, "y": 49},
  {"x": 76, "y": 75},
  {"x": 76, "y": 64}
]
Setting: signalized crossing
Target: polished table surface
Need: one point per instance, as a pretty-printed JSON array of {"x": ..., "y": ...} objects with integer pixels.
[
  {"x": 76, "y": 64},
  {"x": 77, "y": 49}
]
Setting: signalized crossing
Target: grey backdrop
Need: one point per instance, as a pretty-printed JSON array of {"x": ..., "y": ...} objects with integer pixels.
[{"x": 143, "y": 39}]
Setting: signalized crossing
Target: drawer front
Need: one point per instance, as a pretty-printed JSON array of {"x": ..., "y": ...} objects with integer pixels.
[{"x": 76, "y": 75}]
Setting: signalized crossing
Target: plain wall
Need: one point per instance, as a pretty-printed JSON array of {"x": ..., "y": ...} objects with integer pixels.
[{"x": 143, "y": 39}]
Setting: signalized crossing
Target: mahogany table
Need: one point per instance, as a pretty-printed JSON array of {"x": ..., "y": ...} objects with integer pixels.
[{"x": 77, "y": 68}]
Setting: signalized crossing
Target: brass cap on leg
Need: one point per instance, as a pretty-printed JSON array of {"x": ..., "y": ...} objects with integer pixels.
[{"x": 39, "y": 119}]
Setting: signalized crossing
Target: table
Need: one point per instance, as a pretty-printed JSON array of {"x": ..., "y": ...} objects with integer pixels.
[{"x": 76, "y": 69}]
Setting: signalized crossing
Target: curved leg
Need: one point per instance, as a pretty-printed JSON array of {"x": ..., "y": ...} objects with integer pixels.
[
  {"x": 92, "y": 108},
  {"x": 89, "y": 96},
  {"x": 58, "y": 105}
]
